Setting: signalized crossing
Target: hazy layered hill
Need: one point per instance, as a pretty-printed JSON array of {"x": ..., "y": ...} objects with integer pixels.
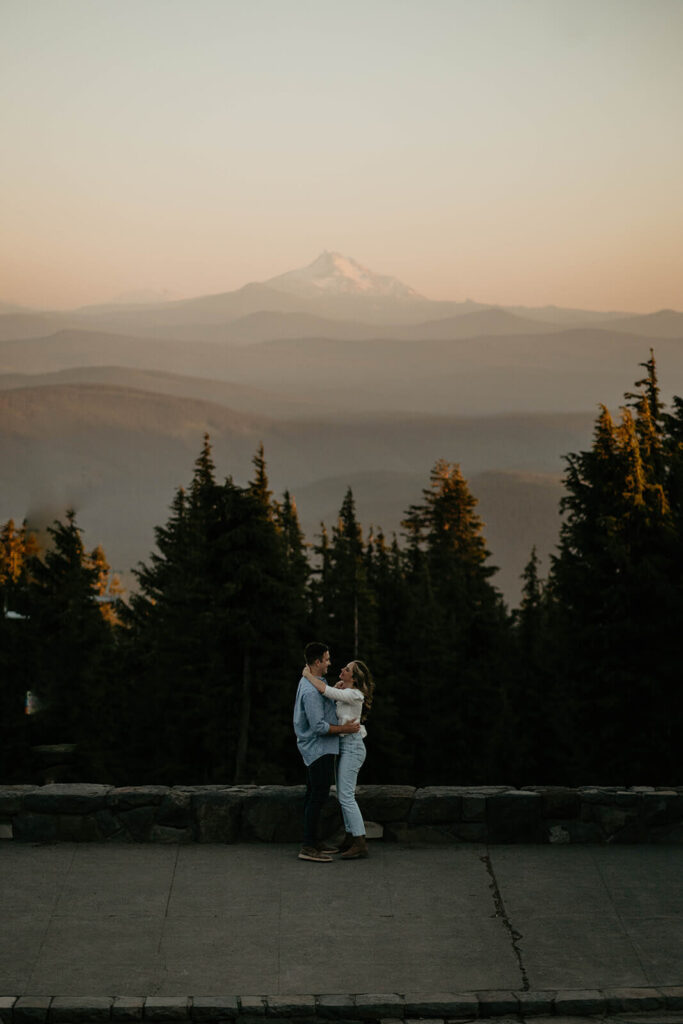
[
  {"x": 666, "y": 323},
  {"x": 266, "y": 325},
  {"x": 239, "y": 397},
  {"x": 562, "y": 370},
  {"x": 117, "y": 455}
]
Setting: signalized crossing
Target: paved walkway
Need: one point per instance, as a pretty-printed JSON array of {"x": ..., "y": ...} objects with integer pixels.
[{"x": 152, "y": 920}]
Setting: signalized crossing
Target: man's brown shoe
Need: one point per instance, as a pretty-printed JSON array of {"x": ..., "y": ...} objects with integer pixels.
[
  {"x": 324, "y": 848},
  {"x": 312, "y": 853},
  {"x": 346, "y": 843},
  {"x": 357, "y": 849}
]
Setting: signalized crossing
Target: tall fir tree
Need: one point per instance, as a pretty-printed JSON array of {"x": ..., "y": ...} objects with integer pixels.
[
  {"x": 216, "y": 620},
  {"x": 462, "y": 633},
  {"x": 616, "y": 583},
  {"x": 71, "y": 643}
]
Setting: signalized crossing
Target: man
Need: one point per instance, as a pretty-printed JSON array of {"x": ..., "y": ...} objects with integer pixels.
[{"x": 317, "y": 731}]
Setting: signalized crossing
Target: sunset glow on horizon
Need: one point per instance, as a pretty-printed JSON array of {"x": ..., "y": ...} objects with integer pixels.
[{"x": 514, "y": 153}]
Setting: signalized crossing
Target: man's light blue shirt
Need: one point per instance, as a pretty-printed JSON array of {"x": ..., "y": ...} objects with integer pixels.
[{"x": 313, "y": 716}]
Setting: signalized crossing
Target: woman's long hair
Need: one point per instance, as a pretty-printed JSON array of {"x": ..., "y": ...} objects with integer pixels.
[{"x": 363, "y": 681}]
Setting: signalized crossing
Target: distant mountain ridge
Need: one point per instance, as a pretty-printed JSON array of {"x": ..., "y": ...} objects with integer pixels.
[
  {"x": 334, "y": 274},
  {"x": 333, "y": 286}
]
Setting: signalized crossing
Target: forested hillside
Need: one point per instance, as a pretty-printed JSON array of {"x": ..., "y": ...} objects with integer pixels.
[{"x": 192, "y": 679}]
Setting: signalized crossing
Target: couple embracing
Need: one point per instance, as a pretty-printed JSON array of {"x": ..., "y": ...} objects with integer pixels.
[{"x": 328, "y": 722}]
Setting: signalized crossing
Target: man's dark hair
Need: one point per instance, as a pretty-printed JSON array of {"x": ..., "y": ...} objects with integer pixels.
[{"x": 314, "y": 652}]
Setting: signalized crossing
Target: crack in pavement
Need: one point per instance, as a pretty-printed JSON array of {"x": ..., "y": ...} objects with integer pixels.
[{"x": 501, "y": 912}]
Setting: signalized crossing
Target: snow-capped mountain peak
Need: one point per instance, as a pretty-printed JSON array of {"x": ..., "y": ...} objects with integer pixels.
[{"x": 332, "y": 274}]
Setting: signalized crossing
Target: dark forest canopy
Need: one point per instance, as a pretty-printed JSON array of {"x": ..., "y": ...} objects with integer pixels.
[{"x": 192, "y": 679}]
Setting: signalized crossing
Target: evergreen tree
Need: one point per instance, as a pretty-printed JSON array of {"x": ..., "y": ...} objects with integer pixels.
[
  {"x": 70, "y": 643},
  {"x": 616, "y": 583},
  {"x": 346, "y": 604},
  {"x": 537, "y": 720},
  {"x": 215, "y": 619},
  {"x": 462, "y": 635}
]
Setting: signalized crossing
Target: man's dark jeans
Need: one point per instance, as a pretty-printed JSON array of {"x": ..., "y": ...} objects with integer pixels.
[{"x": 319, "y": 777}]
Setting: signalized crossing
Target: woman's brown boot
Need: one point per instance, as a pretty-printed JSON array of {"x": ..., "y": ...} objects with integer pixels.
[
  {"x": 357, "y": 849},
  {"x": 346, "y": 843}
]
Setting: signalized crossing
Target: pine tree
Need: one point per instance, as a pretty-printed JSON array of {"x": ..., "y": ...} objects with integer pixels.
[
  {"x": 346, "y": 604},
  {"x": 71, "y": 643},
  {"x": 215, "y": 619},
  {"x": 616, "y": 582},
  {"x": 462, "y": 634}
]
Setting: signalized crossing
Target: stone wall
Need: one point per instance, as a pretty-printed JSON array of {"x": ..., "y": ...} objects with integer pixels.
[{"x": 444, "y": 814}]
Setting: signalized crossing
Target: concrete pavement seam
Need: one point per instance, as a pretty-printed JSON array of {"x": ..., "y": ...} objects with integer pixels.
[
  {"x": 55, "y": 904},
  {"x": 624, "y": 926},
  {"x": 501, "y": 912}
]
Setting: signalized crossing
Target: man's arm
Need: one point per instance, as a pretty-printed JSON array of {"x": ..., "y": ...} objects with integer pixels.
[{"x": 314, "y": 707}]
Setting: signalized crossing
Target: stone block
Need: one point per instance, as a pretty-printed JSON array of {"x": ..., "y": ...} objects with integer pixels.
[
  {"x": 376, "y": 1006},
  {"x": 496, "y": 1004},
  {"x": 127, "y": 1008},
  {"x": 166, "y": 1008},
  {"x": 166, "y": 834},
  {"x": 450, "y": 1006},
  {"x": 611, "y": 818},
  {"x": 633, "y": 1000},
  {"x": 473, "y": 807},
  {"x": 67, "y": 798},
  {"x": 77, "y": 828},
  {"x": 385, "y": 803},
  {"x": 138, "y": 822},
  {"x": 252, "y": 1006},
  {"x": 673, "y": 997},
  {"x": 598, "y": 794},
  {"x": 663, "y": 807},
  {"x": 557, "y": 832},
  {"x": 31, "y": 1009},
  {"x": 12, "y": 799},
  {"x": 218, "y": 814},
  {"x": 666, "y": 834},
  {"x": 557, "y": 802},
  {"x": 273, "y": 814},
  {"x": 107, "y": 823},
  {"x": 653, "y": 809},
  {"x": 584, "y": 831},
  {"x": 336, "y": 1007},
  {"x": 214, "y": 1008},
  {"x": 436, "y": 805},
  {"x": 175, "y": 809},
  {"x": 80, "y": 1010},
  {"x": 125, "y": 798},
  {"x": 290, "y": 1006},
  {"x": 34, "y": 828},
  {"x": 579, "y": 1003},
  {"x": 514, "y": 817},
  {"x": 626, "y": 798},
  {"x": 535, "y": 1004},
  {"x": 6, "y": 1004},
  {"x": 472, "y": 831}
]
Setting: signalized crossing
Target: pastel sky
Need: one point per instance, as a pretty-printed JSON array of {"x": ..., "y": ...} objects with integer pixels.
[{"x": 509, "y": 151}]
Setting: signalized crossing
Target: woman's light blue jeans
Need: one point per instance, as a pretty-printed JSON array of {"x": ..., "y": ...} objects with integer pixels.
[{"x": 349, "y": 762}]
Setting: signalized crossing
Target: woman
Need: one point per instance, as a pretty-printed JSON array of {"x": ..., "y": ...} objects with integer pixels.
[{"x": 353, "y": 695}]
